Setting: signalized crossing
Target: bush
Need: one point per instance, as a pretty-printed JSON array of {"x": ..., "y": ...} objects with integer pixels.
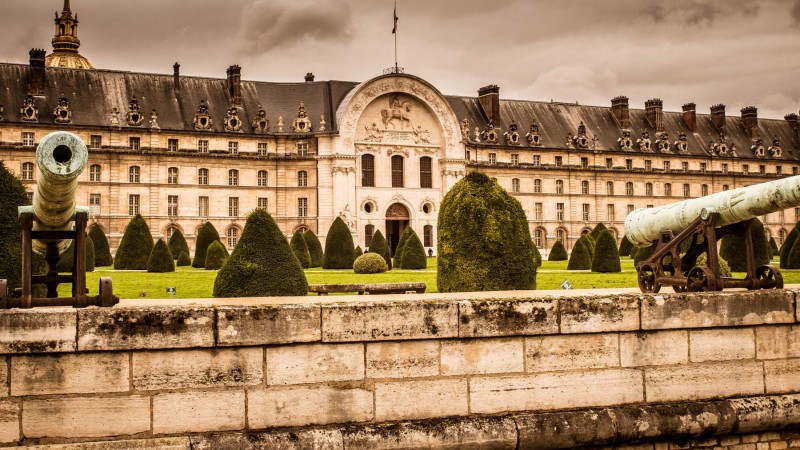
[
  {"x": 606, "y": 258},
  {"x": 484, "y": 242},
  {"x": 642, "y": 253},
  {"x": 205, "y": 236},
  {"x": 161, "y": 258},
  {"x": 588, "y": 243},
  {"x": 177, "y": 244},
  {"x": 558, "y": 252},
  {"x": 537, "y": 255},
  {"x": 300, "y": 249},
  {"x": 134, "y": 249},
  {"x": 398, "y": 252},
  {"x": 314, "y": 248},
  {"x": 216, "y": 256},
  {"x": 183, "y": 260},
  {"x": 262, "y": 264},
  {"x": 793, "y": 261},
  {"x": 733, "y": 250},
  {"x": 414, "y": 257},
  {"x": 338, "y": 246},
  {"x": 724, "y": 268},
  {"x": 357, "y": 252},
  {"x": 595, "y": 233},
  {"x": 380, "y": 246},
  {"x": 787, "y": 247},
  {"x": 370, "y": 263},
  {"x": 67, "y": 258},
  {"x": 773, "y": 248},
  {"x": 102, "y": 251},
  {"x": 579, "y": 259},
  {"x": 625, "y": 247}
]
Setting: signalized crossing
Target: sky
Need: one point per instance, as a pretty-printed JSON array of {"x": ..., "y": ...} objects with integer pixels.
[{"x": 735, "y": 52}]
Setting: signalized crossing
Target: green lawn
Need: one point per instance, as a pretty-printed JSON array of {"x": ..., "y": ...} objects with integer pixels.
[{"x": 198, "y": 283}]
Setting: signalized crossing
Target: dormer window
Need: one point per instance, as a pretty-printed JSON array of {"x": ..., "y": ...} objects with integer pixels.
[{"x": 134, "y": 115}]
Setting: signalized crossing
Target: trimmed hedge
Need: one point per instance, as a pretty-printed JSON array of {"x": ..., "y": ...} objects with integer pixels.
[
  {"x": 595, "y": 233},
  {"x": 65, "y": 263},
  {"x": 537, "y": 255},
  {"x": 414, "y": 257},
  {"x": 558, "y": 252},
  {"x": 357, "y": 252},
  {"x": 625, "y": 247},
  {"x": 398, "y": 252},
  {"x": 733, "y": 250},
  {"x": 606, "y": 258},
  {"x": 262, "y": 264},
  {"x": 102, "y": 251},
  {"x": 787, "y": 247},
  {"x": 338, "y": 246},
  {"x": 177, "y": 244},
  {"x": 773, "y": 247},
  {"x": 134, "y": 249},
  {"x": 589, "y": 243},
  {"x": 370, "y": 263},
  {"x": 205, "y": 236},
  {"x": 183, "y": 260},
  {"x": 300, "y": 249},
  {"x": 314, "y": 248},
  {"x": 380, "y": 246},
  {"x": 161, "y": 258},
  {"x": 216, "y": 254},
  {"x": 579, "y": 259},
  {"x": 484, "y": 243},
  {"x": 642, "y": 254}
]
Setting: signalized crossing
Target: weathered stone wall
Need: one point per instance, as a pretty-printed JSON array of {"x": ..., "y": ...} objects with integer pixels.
[{"x": 500, "y": 370}]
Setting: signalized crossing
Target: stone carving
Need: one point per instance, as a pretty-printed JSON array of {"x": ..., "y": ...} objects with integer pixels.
[
  {"x": 321, "y": 123},
  {"x": 62, "y": 114},
  {"x": 427, "y": 200},
  {"x": 374, "y": 134},
  {"x": 114, "y": 116},
  {"x": 260, "y": 122},
  {"x": 662, "y": 143},
  {"x": 720, "y": 147},
  {"x": 489, "y": 135},
  {"x": 774, "y": 150},
  {"x": 399, "y": 112},
  {"x": 347, "y": 217},
  {"x": 421, "y": 136},
  {"x": 644, "y": 142},
  {"x": 681, "y": 144},
  {"x": 397, "y": 211},
  {"x": 342, "y": 169},
  {"x": 425, "y": 151},
  {"x": 202, "y": 120},
  {"x": 477, "y": 135},
  {"x": 134, "y": 116},
  {"x": 758, "y": 148},
  {"x": 232, "y": 121},
  {"x": 454, "y": 173},
  {"x": 280, "y": 124},
  {"x": 154, "y": 119},
  {"x": 533, "y": 137},
  {"x": 580, "y": 140},
  {"x": 625, "y": 142},
  {"x": 465, "y": 129},
  {"x": 301, "y": 124},
  {"x": 396, "y": 151},
  {"x": 512, "y": 135}
]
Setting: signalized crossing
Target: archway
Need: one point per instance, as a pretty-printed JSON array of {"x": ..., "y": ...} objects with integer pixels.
[{"x": 397, "y": 217}]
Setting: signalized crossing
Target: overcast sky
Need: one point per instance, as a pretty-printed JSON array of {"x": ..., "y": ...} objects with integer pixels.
[{"x": 735, "y": 52}]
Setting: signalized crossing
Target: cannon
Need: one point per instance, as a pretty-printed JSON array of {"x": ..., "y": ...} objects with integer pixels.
[
  {"x": 699, "y": 223},
  {"x": 51, "y": 224}
]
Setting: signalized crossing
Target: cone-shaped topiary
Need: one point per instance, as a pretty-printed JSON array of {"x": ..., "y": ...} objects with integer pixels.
[
  {"x": 625, "y": 247},
  {"x": 414, "y": 253},
  {"x": 398, "y": 252},
  {"x": 160, "y": 260},
  {"x": 589, "y": 243},
  {"x": 606, "y": 258},
  {"x": 537, "y": 255},
  {"x": 370, "y": 263},
  {"x": 314, "y": 248},
  {"x": 379, "y": 245},
  {"x": 642, "y": 254},
  {"x": 134, "y": 249},
  {"x": 732, "y": 248},
  {"x": 183, "y": 260},
  {"x": 338, "y": 246},
  {"x": 773, "y": 246},
  {"x": 579, "y": 259},
  {"x": 484, "y": 242},
  {"x": 102, "y": 251},
  {"x": 300, "y": 249},
  {"x": 558, "y": 252},
  {"x": 262, "y": 264},
  {"x": 787, "y": 247},
  {"x": 793, "y": 260},
  {"x": 205, "y": 236},
  {"x": 595, "y": 233},
  {"x": 216, "y": 254},
  {"x": 357, "y": 252},
  {"x": 67, "y": 258},
  {"x": 177, "y": 244}
]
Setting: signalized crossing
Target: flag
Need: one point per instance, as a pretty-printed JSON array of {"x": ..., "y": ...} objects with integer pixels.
[{"x": 394, "y": 29}]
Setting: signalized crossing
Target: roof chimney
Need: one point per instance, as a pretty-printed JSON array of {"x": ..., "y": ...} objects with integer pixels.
[
  {"x": 654, "y": 109},
  {"x": 36, "y": 83},
  {"x": 176, "y": 78},
  {"x": 690, "y": 116},
  {"x": 235, "y": 85},
  {"x": 718, "y": 117},
  {"x": 619, "y": 108},
  {"x": 794, "y": 121},
  {"x": 309, "y": 77},
  {"x": 750, "y": 120},
  {"x": 489, "y": 99}
]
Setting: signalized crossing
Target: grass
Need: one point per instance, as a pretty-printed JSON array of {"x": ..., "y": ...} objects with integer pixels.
[{"x": 198, "y": 283}]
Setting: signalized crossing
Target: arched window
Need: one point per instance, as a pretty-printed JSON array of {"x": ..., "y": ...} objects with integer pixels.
[
  {"x": 704, "y": 189},
  {"x": 302, "y": 178},
  {"x": 369, "y": 230},
  {"x": 170, "y": 231},
  {"x": 262, "y": 178},
  {"x": 538, "y": 237},
  {"x": 687, "y": 190},
  {"x": 94, "y": 172},
  {"x": 648, "y": 189},
  {"x": 425, "y": 172},
  {"x": 233, "y": 237},
  {"x": 397, "y": 171},
  {"x": 134, "y": 174},
  {"x": 668, "y": 189},
  {"x": 537, "y": 186},
  {"x": 559, "y": 186},
  {"x": 610, "y": 187},
  {"x": 515, "y": 185},
  {"x": 202, "y": 176},
  {"x": 561, "y": 235},
  {"x": 172, "y": 175},
  {"x": 367, "y": 170},
  {"x": 233, "y": 177},
  {"x": 781, "y": 236},
  {"x": 584, "y": 187},
  {"x": 628, "y": 188},
  {"x": 27, "y": 171},
  {"x": 427, "y": 236}
]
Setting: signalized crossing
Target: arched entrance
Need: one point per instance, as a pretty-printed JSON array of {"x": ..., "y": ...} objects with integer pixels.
[{"x": 397, "y": 217}]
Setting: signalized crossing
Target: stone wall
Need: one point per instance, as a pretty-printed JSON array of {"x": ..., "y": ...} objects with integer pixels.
[{"x": 502, "y": 370}]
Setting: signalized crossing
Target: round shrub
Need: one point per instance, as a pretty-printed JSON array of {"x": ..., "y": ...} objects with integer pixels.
[
  {"x": 606, "y": 258},
  {"x": 733, "y": 250},
  {"x": 370, "y": 263},
  {"x": 625, "y": 247},
  {"x": 595, "y": 233},
  {"x": 102, "y": 251},
  {"x": 262, "y": 264},
  {"x": 398, "y": 252},
  {"x": 205, "y": 236},
  {"x": 314, "y": 248},
  {"x": 300, "y": 249},
  {"x": 414, "y": 257},
  {"x": 216, "y": 256},
  {"x": 558, "y": 252},
  {"x": 357, "y": 252},
  {"x": 177, "y": 244},
  {"x": 338, "y": 246},
  {"x": 160, "y": 260},
  {"x": 380, "y": 246},
  {"x": 579, "y": 259},
  {"x": 787, "y": 247},
  {"x": 484, "y": 243},
  {"x": 183, "y": 260},
  {"x": 134, "y": 249},
  {"x": 773, "y": 247},
  {"x": 67, "y": 258}
]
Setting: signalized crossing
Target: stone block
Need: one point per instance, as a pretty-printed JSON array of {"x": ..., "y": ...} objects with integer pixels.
[
  {"x": 480, "y": 356},
  {"x": 718, "y": 309},
  {"x": 307, "y": 405},
  {"x": 4, "y": 381},
  {"x": 423, "y": 399},
  {"x": 462, "y": 433},
  {"x": 170, "y": 443},
  {"x": 41, "y": 330},
  {"x": 507, "y": 317},
  {"x": 722, "y": 344},
  {"x": 9, "y": 421},
  {"x": 145, "y": 328},
  {"x": 85, "y": 417},
  {"x": 778, "y": 445},
  {"x": 681, "y": 422},
  {"x": 265, "y": 324},
  {"x": 654, "y": 348},
  {"x": 599, "y": 314},
  {"x": 565, "y": 429},
  {"x": 562, "y": 390},
  {"x": 782, "y": 376},
  {"x": 180, "y": 369},
  {"x": 571, "y": 352},
  {"x": 703, "y": 381},
  {"x": 198, "y": 412},
  {"x": 405, "y": 359},
  {"x": 315, "y": 363},
  {"x": 284, "y": 440},
  {"x": 389, "y": 320},
  {"x": 77, "y": 373},
  {"x": 778, "y": 342}
]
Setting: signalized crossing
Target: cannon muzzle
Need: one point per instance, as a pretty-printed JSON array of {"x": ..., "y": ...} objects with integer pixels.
[{"x": 644, "y": 226}]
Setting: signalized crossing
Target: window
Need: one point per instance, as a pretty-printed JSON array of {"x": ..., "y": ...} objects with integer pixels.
[
  {"x": 794, "y": 170},
  {"x": 537, "y": 211},
  {"x": 202, "y": 206},
  {"x": 686, "y": 190},
  {"x": 425, "y": 172},
  {"x": 202, "y": 176},
  {"x": 537, "y": 160},
  {"x": 724, "y": 187},
  {"x": 745, "y": 168},
  {"x": 584, "y": 162},
  {"x": 170, "y": 231},
  {"x": 172, "y": 205},
  {"x": 668, "y": 189},
  {"x": 648, "y": 164},
  {"x": 648, "y": 189},
  {"x": 515, "y": 158},
  {"x": 302, "y": 178},
  {"x": 781, "y": 236},
  {"x": 559, "y": 186},
  {"x": 559, "y": 161},
  {"x": 537, "y": 186},
  {"x": 724, "y": 168},
  {"x": 762, "y": 169},
  {"x": 134, "y": 174},
  {"x": 233, "y": 177},
  {"x": 133, "y": 204},
  {"x": 584, "y": 187},
  {"x": 538, "y": 237},
  {"x": 466, "y": 156},
  {"x": 369, "y": 230},
  {"x": 94, "y": 172},
  {"x": 397, "y": 171},
  {"x": 302, "y": 148},
  {"x": 704, "y": 189},
  {"x": 263, "y": 203},
  {"x": 515, "y": 185},
  {"x": 685, "y": 166},
  {"x": 666, "y": 166},
  {"x": 94, "y": 204},
  {"x": 95, "y": 141},
  {"x": 262, "y": 149},
  {"x": 610, "y": 214},
  {"x": 427, "y": 236},
  {"x": 27, "y": 171},
  {"x": 560, "y": 236},
  {"x": 172, "y": 145},
  {"x": 559, "y": 211},
  {"x": 202, "y": 146},
  {"x": 233, "y": 206},
  {"x": 703, "y": 167},
  {"x": 261, "y": 178},
  {"x": 585, "y": 212},
  {"x": 368, "y": 171},
  {"x": 134, "y": 143},
  {"x": 609, "y": 187},
  {"x": 27, "y": 138},
  {"x": 609, "y": 163},
  {"x": 172, "y": 175},
  {"x": 302, "y": 207},
  {"x": 492, "y": 158},
  {"x": 630, "y": 209},
  {"x": 233, "y": 237},
  {"x": 628, "y": 188},
  {"x": 778, "y": 170},
  {"x": 233, "y": 147},
  {"x": 628, "y": 164}
]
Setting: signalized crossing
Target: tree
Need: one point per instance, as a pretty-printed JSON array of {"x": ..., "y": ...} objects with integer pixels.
[
  {"x": 595, "y": 233},
  {"x": 484, "y": 243},
  {"x": 606, "y": 258},
  {"x": 177, "y": 244},
  {"x": 161, "y": 260},
  {"x": 773, "y": 246},
  {"x": 135, "y": 247},
  {"x": 558, "y": 252},
  {"x": 314, "y": 248},
  {"x": 380, "y": 246},
  {"x": 262, "y": 264},
  {"x": 338, "y": 246},
  {"x": 398, "y": 252},
  {"x": 205, "y": 236},
  {"x": 370, "y": 263},
  {"x": 216, "y": 256},
  {"x": 414, "y": 257},
  {"x": 300, "y": 249},
  {"x": 357, "y": 252},
  {"x": 65, "y": 263},
  {"x": 183, "y": 260},
  {"x": 732, "y": 248},
  {"x": 579, "y": 259},
  {"x": 625, "y": 247},
  {"x": 102, "y": 251}
]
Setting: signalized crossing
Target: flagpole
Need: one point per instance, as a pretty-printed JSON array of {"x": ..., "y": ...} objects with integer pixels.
[{"x": 395, "y": 37}]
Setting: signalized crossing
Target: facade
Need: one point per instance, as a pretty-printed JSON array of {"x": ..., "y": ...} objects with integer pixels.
[{"x": 381, "y": 154}]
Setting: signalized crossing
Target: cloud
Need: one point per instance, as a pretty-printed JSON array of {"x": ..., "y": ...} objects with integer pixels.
[{"x": 698, "y": 13}]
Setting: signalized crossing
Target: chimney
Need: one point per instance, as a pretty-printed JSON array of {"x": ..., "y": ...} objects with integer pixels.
[
  {"x": 718, "y": 117},
  {"x": 619, "y": 109},
  {"x": 750, "y": 120},
  {"x": 36, "y": 86},
  {"x": 309, "y": 77},
  {"x": 793, "y": 118},
  {"x": 654, "y": 109},
  {"x": 176, "y": 78},
  {"x": 235, "y": 85},
  {"x": 489, "y": 98},
  {"x": 690, "y": 116}
]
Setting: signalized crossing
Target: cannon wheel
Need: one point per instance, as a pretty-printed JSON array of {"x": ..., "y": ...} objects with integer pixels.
[
  {"x": 700, "y": 279},
  {"x": 769, "y": 277},
  {"x": 647, "y": 279},
  {"x": 106, "y": 295},
  {"x": 678, "y": 288}
]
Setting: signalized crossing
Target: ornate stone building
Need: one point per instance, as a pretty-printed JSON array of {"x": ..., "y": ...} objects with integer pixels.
[{"x": 382, "y": 153}]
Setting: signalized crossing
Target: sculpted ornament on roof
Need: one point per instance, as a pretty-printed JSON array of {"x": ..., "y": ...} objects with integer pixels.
[
  {"x": 758, "y": 148},
  {"x": 62, "y": 114},
  {"x": 398, "y": 113},
  {"x": 720, "y": 147},
  {"x": 533, "y": 137},
  {"x": 512, "y": 135},
  {"x": 580, "y": 140},
  {"x": 154, "y": 119},
  {"x": 489, "y": 135},
  {"x": 373, "y": 133},
  {"x": 774, "y": 150},
  {"x": 625, "y": 142},
  {"x": 29, "y": 112},
  {"x": 114, "y": 117},
  {"x": 301, "y": 124},
  {"x": 644, "y": 142},
  {"x": 134, "y": 116},
  {"x": 465, "y": 129},
  {"x": 260, "y": 122},
  {"x": 321, "y": 123},
  {"x": 681, "y": 144},
  {"x": 232, "y": 121},
  {"x": 202, "y": 120},
  {"x": 662, "y": 144}
]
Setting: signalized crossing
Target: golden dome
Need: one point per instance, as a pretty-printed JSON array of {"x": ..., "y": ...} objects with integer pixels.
[
  {"x": 68, "y": 60},
  {"x": 66, "y": 43}
]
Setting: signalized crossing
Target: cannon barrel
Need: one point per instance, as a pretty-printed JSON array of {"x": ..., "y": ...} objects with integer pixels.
[{"x": 644, "y": 225}]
